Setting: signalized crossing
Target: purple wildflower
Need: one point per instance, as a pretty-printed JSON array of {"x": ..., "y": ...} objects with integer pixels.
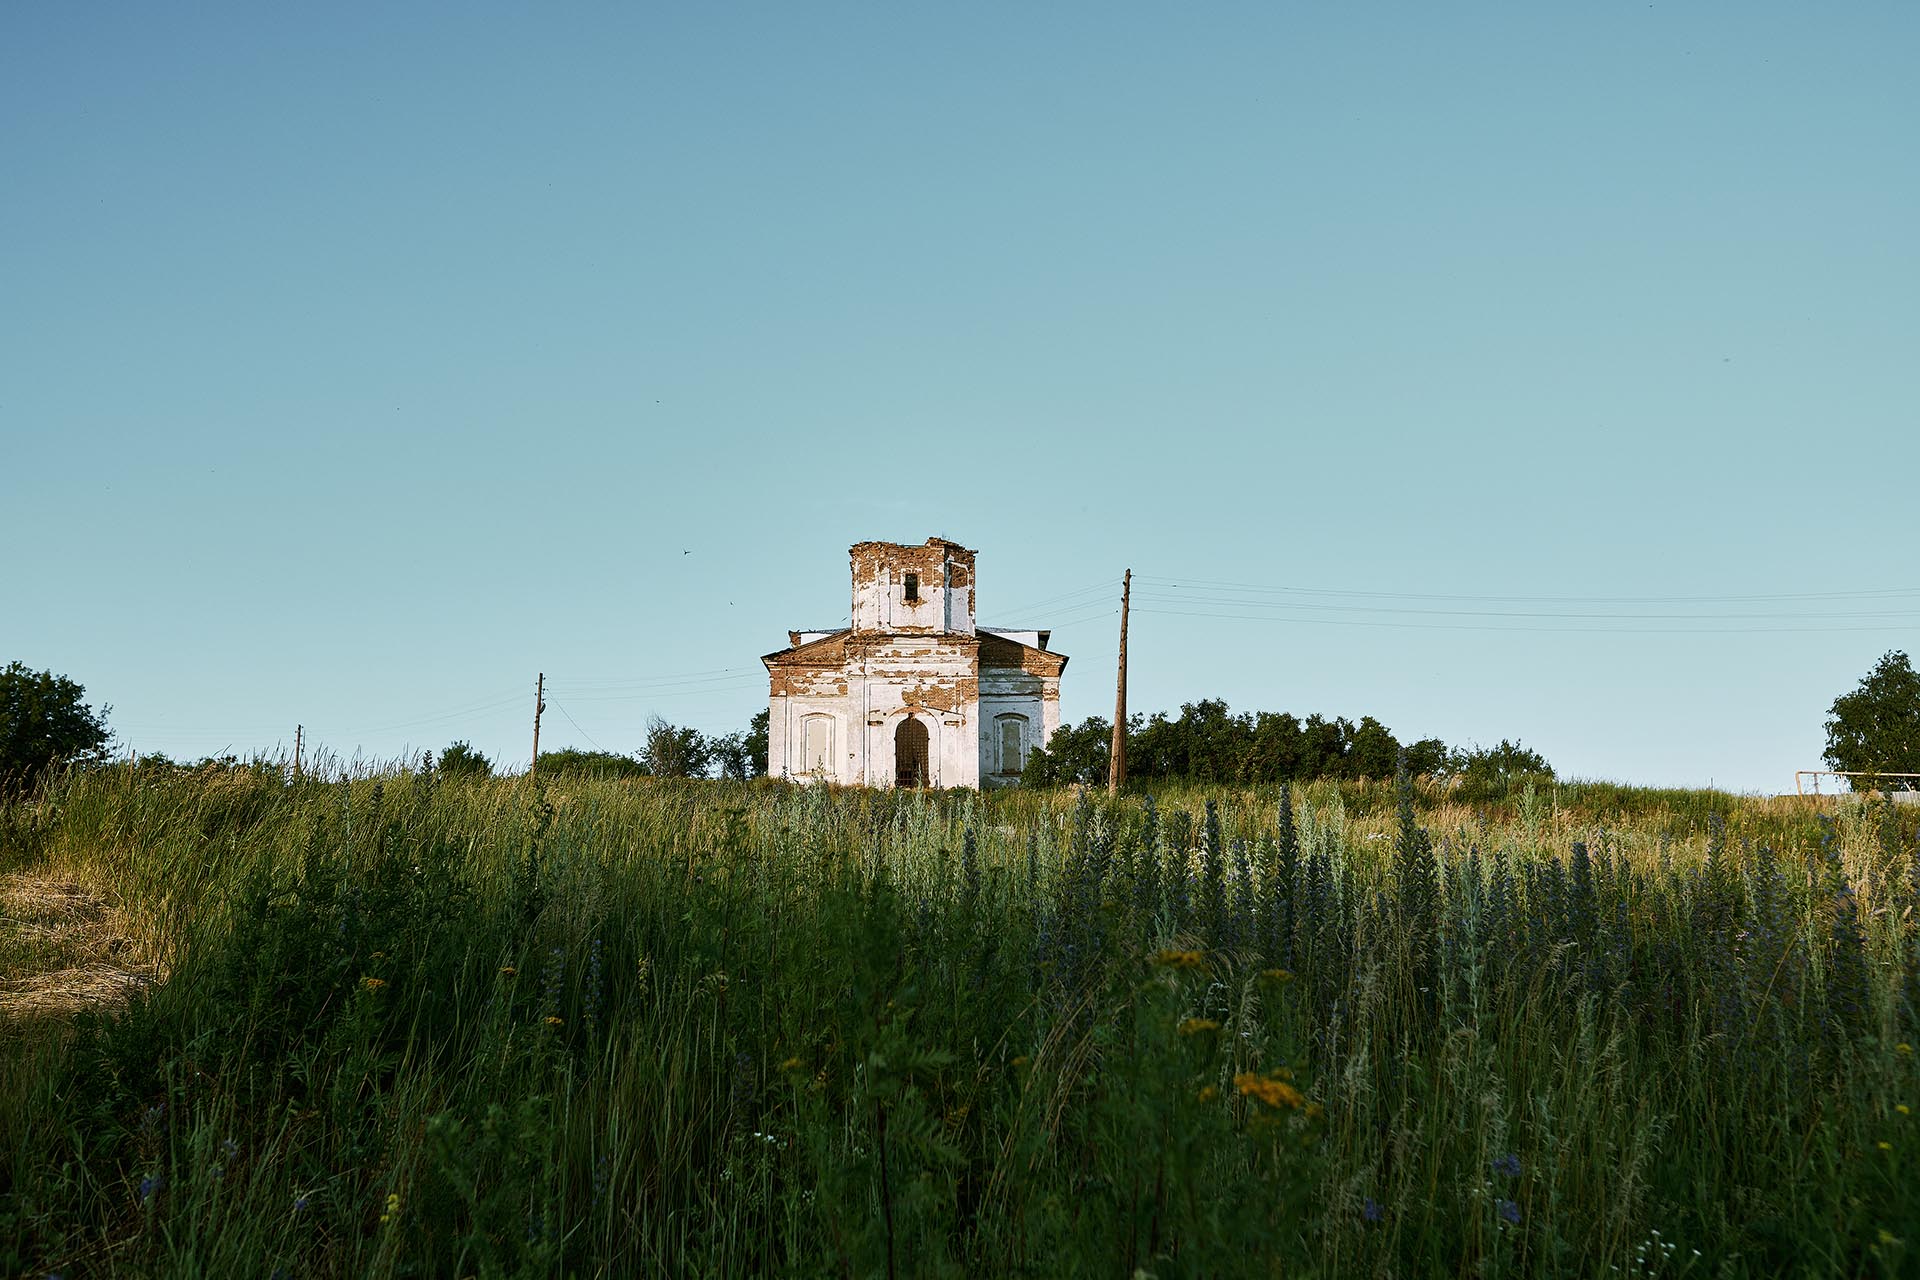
[
  {"x": 1370, "y": 1210},
  {"x": 1507, "y": 1166},
  {"x": 148, "y": 1185},
  {"x": 1509, "y": 1210}
]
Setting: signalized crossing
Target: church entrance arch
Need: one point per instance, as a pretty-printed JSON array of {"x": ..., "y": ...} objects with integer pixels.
[{"x": 910, "y": 753}]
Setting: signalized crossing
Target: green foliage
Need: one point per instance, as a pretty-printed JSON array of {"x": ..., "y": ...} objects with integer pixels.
[
  {"x": 1208, "y": 744},
  {"x": 569, "y": 1027},
  {"x": 756, "y": 743},
  {"x": 675, "y": 752},
  {"x": 460, "y": 760},
  {"x": 571, "y": 763},
  {"x": 1492, "y": 774},
  {"x": 44, "y": 723},
  {"x": 1876, "y": 728}
]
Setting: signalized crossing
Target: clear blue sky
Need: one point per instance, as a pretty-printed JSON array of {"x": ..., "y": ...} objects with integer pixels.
[{"x": 358, "y": 363}]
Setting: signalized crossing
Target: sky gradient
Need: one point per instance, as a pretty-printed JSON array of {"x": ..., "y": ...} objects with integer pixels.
[{"x": 1544, "y": 373}]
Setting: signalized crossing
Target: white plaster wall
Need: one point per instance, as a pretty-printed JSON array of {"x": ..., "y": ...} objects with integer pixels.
[{"x": 880, "y": 602}]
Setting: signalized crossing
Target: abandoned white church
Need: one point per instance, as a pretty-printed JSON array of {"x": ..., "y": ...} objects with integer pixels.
[{"x": 913, "y": 693}]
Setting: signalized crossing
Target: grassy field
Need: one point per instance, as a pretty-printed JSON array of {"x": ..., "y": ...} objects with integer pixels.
[{"x": 400, "y": 1025}]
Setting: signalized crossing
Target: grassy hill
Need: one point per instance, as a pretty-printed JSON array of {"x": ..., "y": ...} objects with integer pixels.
[{"x": 406, "y": 1025}]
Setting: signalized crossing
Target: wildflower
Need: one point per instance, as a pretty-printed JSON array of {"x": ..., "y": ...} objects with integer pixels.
[
  {"x": 1371, "y": 1210},
  {"x": 1171, "y": 959},
  {"x": 1197, "y": 1026},
  {"x": 1888, "y": 1238},
  {"x": 1884, "y": 1145},
  {"x": 1022, "y": 1060},
  {"x": 379, "y": 955},
  {"x": 791, "y": 1064},
  {"x": 1507, "y": 1166},
  {"x": 393, "y": 1209},
  {"x": 373, "y": 984},
  {"x": 1208, "y": 1094},
  {"x": 507, "y": 971},
  {"x": 230, "y": 1147},
  {"x": 1277, "y": 975},
  {"x": 1268, "y": 1089},
  {"x": 1901, "y": 1107},
  {"x": 1313, "y": 1111},
  {"x": 299, "y": 1204},
  {"x": 555, "y": 1020},
  {"x": 1903, "y": 1047},
  {"x": 148, "y": 1185},
  {"x": 1508, "y": 1210}
]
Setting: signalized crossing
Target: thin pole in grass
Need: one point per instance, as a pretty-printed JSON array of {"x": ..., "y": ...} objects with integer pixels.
[
  {"x": 539, "y": 705},
  {"x": 1117, "y": 757}
]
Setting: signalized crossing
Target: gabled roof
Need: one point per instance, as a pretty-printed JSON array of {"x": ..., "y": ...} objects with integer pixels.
[
  {"x": 1000, "y": 652},
  {"x": 996, "y": 651},
  {"x": 827, "y": 651}
]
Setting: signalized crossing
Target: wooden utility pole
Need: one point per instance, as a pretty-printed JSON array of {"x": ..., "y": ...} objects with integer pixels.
[
  {"x": 539, "y": 705},
  {"x": 299, "y": 732},
  {"x": 1117, "y": 768}
]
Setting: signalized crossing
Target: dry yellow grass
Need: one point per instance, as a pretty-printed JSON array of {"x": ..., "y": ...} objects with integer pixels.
[{"x": 64, "y": 947}]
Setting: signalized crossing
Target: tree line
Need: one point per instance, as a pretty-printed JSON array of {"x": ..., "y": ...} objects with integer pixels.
[
  {"x": 1208, "y": 743},
  {"x": 1873, "y": 731}
]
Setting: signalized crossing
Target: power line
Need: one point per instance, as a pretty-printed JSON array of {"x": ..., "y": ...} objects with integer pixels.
[
  {"x": 1244, "y": 603},
  {"x": 1558, "y": 631},
  {"x": 1202, "y": 583}
]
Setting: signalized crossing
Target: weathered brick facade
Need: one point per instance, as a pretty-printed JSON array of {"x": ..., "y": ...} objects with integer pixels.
[{"x": 913, "y": 692}]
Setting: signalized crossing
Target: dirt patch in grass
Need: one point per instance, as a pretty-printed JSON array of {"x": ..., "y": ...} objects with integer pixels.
[{"x": 64, "y": 947}]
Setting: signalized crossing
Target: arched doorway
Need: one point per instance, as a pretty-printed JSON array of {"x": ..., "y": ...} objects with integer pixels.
[{"x": 910, "y": 754}]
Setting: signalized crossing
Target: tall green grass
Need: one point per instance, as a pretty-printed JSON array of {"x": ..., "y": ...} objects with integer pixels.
[{"x": 410, "y": 1026}]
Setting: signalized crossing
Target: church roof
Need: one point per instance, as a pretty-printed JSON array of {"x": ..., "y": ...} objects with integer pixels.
[{"x": 996, "y": 651}]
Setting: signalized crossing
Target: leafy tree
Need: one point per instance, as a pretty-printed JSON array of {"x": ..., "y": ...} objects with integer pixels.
[
  {"x": 460, "y": 760},
  {"x": 674, "y": 752},
  {"x": 757, "y": 742},
  {"x": 1430, "y": 758},
  {"x": 44, "y": 724},
  {"x": 1876, "y": 728},
  {"x": 1373, "y": 752},
  {"x": 731, "y": 755},
  {"x": 1490, "y": 773}
]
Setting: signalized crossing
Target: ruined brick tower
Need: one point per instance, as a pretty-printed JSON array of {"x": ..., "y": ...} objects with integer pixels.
[{"x": 913, "y": 692}]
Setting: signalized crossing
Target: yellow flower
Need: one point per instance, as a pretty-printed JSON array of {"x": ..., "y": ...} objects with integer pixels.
[
  {"x": 791, "y": 1064},
  {"x": 508, "y": 970},
  {"x": 1884, "y": 1146},
  {"x": 1269, "y": 1089},
  {"x": 1277, "y": 975},
  {"x": 1901, "y": 1107},
  {"x": 1197, "y": 1026},
  {"x": 1021, "y": 1061},
  {"x": 379, "y": 955},
  {"x": 1888, "y": 1238},
  {"x": 393, "y": 1208},
  {"x": 1180, "y": 959},
  {"x": 1903, "y": 1047},
  {"x": 373, "y": 984},
  {"x": 555, "y": 1020},
  {"x": 1208, "y": 1094}
]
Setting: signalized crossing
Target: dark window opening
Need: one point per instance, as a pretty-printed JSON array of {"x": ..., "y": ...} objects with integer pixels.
[{"x": 913, "y": 588}]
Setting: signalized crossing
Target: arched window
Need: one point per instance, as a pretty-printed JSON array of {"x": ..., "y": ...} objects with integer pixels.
[
  {"x": 1011, "y": 736},
  {"x": 816, "y": 746}
]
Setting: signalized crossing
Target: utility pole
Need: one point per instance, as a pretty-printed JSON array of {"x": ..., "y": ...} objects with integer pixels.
[
  {"x": 299, "y": 732},
  {"x": 539, "y": 705},
  {"x": 1117, "y": 768}
]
